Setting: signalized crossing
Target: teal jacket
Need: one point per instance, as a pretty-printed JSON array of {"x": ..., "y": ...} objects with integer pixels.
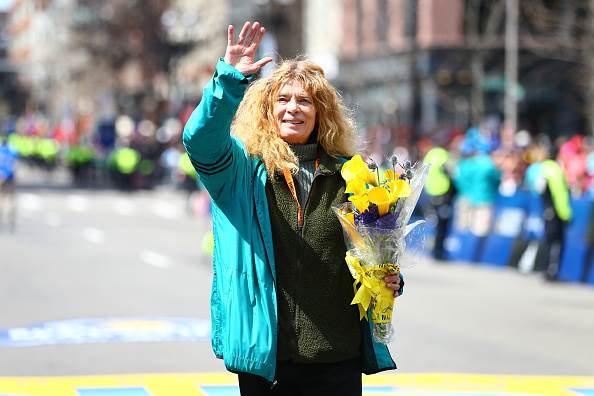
[
  {"x": 477, "y": 179},
  {"x": 243, "y": 299}
]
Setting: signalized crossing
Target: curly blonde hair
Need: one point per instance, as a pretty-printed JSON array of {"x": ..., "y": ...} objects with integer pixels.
[{"x": 256, "y": 126}]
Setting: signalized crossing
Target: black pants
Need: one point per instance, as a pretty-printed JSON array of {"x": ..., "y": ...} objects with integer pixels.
[
  {"x": 553, "y": 246},
  {"x": 294, "y": 379},
  {"x": 441, "y": 207}
]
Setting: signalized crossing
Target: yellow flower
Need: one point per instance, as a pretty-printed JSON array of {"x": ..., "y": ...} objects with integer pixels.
[
  {"x": 381, "y": 197},
  {"x": 398, "y": 188},
  {"x": 356, "y": 187},
  {"x": 347, "y": 220},
  {"x": 361, "y": 202},
  {"x": 350, "y": 217},
  {"x": 356, "y": 168},
  {"x": 390, "y": 175}
]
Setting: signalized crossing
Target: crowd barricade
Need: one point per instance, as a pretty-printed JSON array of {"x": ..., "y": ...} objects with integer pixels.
[
  {"x": 461, "y": 245},
  {"x": 525, "y": 255},
  {"x": 576, "y": 243},
  {"x": 510, "y": 214},
  {"x": 533, "y": 227},
  {"x": 590, "y": 272},
  {"x": 518, "y": 228}
]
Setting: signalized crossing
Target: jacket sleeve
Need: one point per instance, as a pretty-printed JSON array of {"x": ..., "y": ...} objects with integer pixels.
[{"x": 217, "y": 157}]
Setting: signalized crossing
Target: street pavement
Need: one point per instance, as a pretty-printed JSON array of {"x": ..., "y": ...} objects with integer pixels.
[{"x": 132, "y": 261}]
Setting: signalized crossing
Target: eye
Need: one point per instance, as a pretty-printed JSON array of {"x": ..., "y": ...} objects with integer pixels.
[
  {"x": 282, "y": 99},
  {"x": 305, "y": 100}
]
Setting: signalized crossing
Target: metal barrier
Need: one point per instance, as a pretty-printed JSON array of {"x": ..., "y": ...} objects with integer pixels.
[{"x": 519, "y": 224}]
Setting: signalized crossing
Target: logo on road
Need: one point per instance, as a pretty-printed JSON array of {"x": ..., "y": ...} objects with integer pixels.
[{"x": 88, "y": 331}]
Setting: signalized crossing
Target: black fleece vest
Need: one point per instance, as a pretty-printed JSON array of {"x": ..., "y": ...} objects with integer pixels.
[{"x": 317, "y": 324}]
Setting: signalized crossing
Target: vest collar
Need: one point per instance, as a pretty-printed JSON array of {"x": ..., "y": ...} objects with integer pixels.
[{"x": 328, "y": 164}]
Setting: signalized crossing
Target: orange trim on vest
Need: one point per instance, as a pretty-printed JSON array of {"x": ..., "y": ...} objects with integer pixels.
[{"x": 291, "y": 185}]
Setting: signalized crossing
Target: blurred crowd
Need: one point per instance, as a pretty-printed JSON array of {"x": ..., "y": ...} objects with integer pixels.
[
  {"x": 473, "y": 169},
  {"x": 119, "y": 152},
  {"x": 470, "y": 168}
]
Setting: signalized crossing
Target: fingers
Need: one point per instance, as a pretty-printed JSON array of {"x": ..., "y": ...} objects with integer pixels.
[
  {"x": 393, "y": 282},
  {"x": 257, "y": 39},
  {"x": 230, "y": 33},
  {"x": 263, "y": 62},
  {"x": 244, "y": 31},
  {"x": 252, "y": 34},
  {"x": 392, "y": 279}
]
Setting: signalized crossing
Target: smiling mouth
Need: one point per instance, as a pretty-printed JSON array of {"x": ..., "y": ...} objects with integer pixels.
[{"x": 292, "y": 122}]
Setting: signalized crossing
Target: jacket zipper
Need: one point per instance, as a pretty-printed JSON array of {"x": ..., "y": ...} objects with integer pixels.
[{"x": 299, "y": 266}]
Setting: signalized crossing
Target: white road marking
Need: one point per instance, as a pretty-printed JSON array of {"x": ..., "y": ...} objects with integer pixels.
[
  {"x": 156, "y": 259},
  {"x": 52, "y": 219},
  {"x": 29, "y": 202},
  {"x": 94, "y": 235},
  {"x": 123, "y": 207},
  {"x": 78, "y": 203},
  {"x": 167, "y": 210}
]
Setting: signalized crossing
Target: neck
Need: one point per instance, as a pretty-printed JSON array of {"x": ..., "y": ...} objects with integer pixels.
[{"x": 305, "y": 152}]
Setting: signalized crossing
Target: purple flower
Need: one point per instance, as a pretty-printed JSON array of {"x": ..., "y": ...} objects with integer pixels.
[
  {"x": 367, "y": 217},
  {"x": 387, "y": 221}
]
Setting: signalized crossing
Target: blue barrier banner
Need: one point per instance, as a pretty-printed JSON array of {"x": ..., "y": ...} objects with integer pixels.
[
  {"x": 510, "y": 215},
  {"x": 533, "y": 228},
  {"x": 590, "y": 274},
  {"x": 575, "y": 246},
  {"x": 461, "y": 246},
  {"x": 107, "y": 330}
]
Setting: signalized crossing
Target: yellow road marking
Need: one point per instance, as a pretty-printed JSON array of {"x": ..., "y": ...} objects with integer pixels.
[{"x": 382, "y": 384}]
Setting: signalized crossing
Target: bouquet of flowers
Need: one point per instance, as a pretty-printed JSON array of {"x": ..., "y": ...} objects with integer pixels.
[{"x": 375, "y": 224}]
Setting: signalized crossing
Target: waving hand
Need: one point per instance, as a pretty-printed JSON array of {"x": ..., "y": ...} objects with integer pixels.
[{"x": 240, "y": 54}]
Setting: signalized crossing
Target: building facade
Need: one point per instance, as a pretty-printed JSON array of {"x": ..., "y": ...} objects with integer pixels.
[{"x": 426, "y": 66}]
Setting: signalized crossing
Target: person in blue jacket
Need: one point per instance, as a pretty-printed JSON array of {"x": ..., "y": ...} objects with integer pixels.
[
  {"x": 269, "y": 152},
  {"x": 8, "y": 158}
]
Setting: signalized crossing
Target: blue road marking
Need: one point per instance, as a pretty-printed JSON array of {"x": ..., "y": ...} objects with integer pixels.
[
  {"x": 220, "y": 390},
  {"x": 583, "y": 392},
  {"x": 379, "y": 390}
]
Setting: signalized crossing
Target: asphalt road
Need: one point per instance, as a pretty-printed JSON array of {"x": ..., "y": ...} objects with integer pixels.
[{"x": 84, "y": 254}]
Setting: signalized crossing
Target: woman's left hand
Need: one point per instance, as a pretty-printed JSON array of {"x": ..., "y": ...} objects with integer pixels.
[{"x": 393, "y": 282}]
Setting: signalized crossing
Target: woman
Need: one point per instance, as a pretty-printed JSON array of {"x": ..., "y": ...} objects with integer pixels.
[{"x": 281, "y": 292}]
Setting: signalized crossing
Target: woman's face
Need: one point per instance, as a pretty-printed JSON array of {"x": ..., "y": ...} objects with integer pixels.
[{"x": 294, "y": 112}]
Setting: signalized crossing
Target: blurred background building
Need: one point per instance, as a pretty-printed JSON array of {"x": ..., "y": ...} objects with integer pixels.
[
  {"x": 429, "y": 65},
  {"x": 413, "y": 68}
]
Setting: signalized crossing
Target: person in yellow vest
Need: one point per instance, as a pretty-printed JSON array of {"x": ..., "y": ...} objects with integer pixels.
[
  {"x": 124, "y": 163},
  {"x": 557, "y": 213},
  {"x": 441, "y": 191}
]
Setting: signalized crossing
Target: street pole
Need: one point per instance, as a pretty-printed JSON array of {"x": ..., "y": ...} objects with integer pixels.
[
  {"x": 414, "y": 86},
  {"x": 511, "y": 65}
]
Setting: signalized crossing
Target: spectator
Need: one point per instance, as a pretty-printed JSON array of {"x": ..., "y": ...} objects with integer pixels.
[
  {"x": 441, "y": 191},
  {"x": 8, "y": 159},
  {"x": 477, "y": 180},
  {"x": 557, "y": 213}
]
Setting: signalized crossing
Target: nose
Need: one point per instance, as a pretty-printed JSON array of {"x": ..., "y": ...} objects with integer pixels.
[{"x": 292, "y": 105}]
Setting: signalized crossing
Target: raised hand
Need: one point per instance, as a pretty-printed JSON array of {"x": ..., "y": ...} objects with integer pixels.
[{"x": 241, "y": 54}]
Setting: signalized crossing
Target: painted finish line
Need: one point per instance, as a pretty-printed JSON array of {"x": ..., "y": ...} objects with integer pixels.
[
  {"x": 87, "y": 331},
  {"x": 225, "y": 384}
]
